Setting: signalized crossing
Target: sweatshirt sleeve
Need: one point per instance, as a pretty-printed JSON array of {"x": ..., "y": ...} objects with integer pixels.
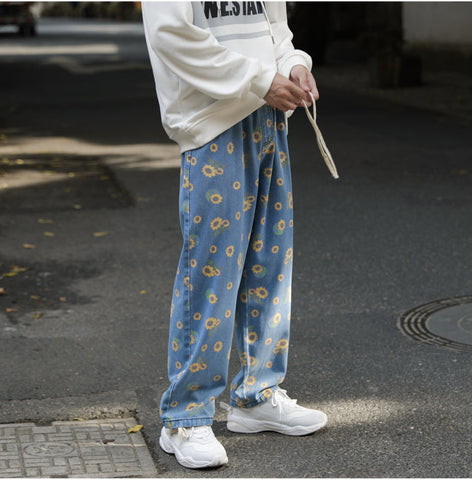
[
  {"x": 195, "y": 56},
  {"x": 287, "y": 56}
]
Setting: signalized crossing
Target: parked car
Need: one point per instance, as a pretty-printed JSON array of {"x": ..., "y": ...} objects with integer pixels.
[{"x": 19, "y": 14}]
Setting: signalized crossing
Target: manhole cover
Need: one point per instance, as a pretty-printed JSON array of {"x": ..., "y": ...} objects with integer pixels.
[{"x": 446, "y": 323}]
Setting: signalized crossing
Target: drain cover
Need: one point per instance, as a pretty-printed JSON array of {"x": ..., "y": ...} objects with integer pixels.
[{"x": 445, "y": 323}]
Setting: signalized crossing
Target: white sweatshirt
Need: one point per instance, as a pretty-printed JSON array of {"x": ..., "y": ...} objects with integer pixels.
[{"x": 213, "y": 62}]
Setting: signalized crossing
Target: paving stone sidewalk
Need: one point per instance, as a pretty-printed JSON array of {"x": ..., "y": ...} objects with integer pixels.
[{"x": 94, "y": 448}]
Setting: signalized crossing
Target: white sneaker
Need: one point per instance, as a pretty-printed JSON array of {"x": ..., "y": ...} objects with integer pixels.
[
  {"x": 193, "y": 447},
  {"x": 278, "y": 414}
]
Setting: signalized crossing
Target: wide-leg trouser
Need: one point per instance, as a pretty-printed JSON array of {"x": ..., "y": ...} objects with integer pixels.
[{"x": 235, "y": 270}]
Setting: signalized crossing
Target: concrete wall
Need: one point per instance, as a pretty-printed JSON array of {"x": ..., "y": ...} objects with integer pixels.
[{"x": 446, "y": 24}]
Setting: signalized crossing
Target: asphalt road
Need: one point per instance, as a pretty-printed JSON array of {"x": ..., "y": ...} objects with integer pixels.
[{"x": 89, "y": 179}]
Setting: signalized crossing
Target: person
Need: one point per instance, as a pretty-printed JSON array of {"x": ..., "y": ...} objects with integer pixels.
[{"x": 226, "y": 76}]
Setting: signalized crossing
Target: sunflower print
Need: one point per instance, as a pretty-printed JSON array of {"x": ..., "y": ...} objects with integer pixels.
[
  {"x": 257, "y": 244},
  {"x": 176, "y": 344},
  {"x": 259, "y": 271},
  {"x": 258, "y": 294},
  {"x": 279, "y": 227},
  {"x": 212, "y": 322},
  {"x": 219, "y": 225},
  {"x": 235, "y": 270},
  {"x": 210, "y": 295},
  {"x": 251, "y": 337},
  {"x": 248, "y": 202},
  {"x": 257, "y": 136},
  {"x": 214, "y": 197}
]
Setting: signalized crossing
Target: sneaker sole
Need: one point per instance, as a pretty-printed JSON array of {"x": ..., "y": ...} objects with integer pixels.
[
  {"x": 258, "y": 427},
  {"x": 188, "y": 462}
]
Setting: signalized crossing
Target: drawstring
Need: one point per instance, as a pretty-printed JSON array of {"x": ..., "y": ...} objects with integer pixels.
[
  {"x": 319, "y": 138},
  {"x": 268, "y": 23}
]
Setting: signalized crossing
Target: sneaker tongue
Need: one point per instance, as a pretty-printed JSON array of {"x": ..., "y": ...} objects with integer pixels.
[
  {"x": 201, "y": 432},
  {"x": 281, "y": 395}
]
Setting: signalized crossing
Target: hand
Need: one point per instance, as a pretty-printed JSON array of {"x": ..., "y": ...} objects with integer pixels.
[
  {"x": 305, "y": 80},
  {"x": 285, "y": 94}
]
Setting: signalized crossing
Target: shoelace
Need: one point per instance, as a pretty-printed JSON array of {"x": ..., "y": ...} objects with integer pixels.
[
  {"x": 188, "y": 432},
  {"x": 325, "y": 153},
  {"x": 280, "y": 396}
]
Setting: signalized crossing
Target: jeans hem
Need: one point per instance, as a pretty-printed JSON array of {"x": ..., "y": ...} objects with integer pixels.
[
  {"x": 187, "y": 422},
  {"x": 255, "y": 402}
]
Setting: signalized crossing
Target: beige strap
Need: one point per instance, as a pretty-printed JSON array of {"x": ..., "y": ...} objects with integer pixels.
[{"x": 319, "y": 138}]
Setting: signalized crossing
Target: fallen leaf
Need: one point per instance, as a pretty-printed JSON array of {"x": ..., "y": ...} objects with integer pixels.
[
  {"x": 100, "y": 234},
  {"x": 20, "y": 161},
  {"x": 35, "y": 297},
  {"x": 63, "y": 299},
  {"x": 49, "y": 234},
  {"x": 135, "y": 429},
  {"x": 28, "y": 246},
  {"x": 2, "y": 291},
  {"x": 78, "y": 419},
  {"x": 45, "y": 220},
  {"x": 9, "y": 310},
  {"x": 37, "y": 315},
  {"x": 15, "y": 270},
  {"x": 142, "y": 292},
  {"x": 77, "y": 206},
  {"x": 71, "y": 174}
]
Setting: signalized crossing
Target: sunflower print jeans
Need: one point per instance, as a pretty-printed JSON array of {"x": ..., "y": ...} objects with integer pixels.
[{"x": 235, "y": 270}]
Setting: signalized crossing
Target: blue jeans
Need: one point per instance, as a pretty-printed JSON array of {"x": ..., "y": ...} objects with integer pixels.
[{"x": 235, "y": 270}]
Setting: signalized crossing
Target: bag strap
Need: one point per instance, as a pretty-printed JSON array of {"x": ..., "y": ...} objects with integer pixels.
[{"x": 319, "y": 138}]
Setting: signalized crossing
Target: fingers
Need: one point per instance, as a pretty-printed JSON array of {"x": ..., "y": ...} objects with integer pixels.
[
  {"x": 306, "y": 81},
  {"x": 314, "y": 90},
  {"x": 297, "y": 94},
  {"x": 308, "y": 84},
  {"x": 289, "y": 93},
  {"x": 286, "y": 94},
  {"x": 301, "y": 76}
]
